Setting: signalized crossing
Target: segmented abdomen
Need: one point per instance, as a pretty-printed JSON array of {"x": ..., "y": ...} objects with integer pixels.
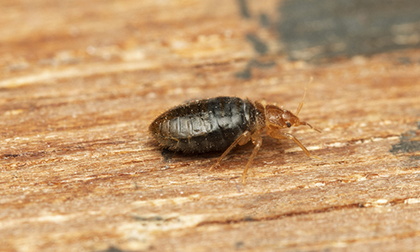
[{"x": 205, "y": 125}]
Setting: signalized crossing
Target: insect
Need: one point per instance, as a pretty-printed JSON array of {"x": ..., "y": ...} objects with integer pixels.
[{"x": 221, "y": 123}]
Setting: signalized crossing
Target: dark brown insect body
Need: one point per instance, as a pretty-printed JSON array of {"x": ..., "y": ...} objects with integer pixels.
[
  {"x": 220, "y": 123},
  {"x": 206, "y": 125}
]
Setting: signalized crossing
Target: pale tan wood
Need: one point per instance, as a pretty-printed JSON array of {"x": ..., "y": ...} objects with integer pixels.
[{"x": 80, "y": 84}]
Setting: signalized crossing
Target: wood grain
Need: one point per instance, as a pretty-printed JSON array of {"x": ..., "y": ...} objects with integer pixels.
[{"x": 80, "y": 82}]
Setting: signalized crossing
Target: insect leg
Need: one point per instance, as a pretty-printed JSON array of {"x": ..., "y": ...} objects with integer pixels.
[
  {"x": 257, "y": 141},
  {"x": 242, "y": 139},
  {"x": 279, "y": 135}
]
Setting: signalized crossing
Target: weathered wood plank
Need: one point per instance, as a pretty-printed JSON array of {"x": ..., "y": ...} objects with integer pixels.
[{"x": 80, "y": 84}]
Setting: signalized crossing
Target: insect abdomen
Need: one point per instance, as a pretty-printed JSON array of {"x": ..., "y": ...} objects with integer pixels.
[{"x": 205, "y": 125}]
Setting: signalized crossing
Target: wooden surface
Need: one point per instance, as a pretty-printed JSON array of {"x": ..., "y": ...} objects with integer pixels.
[{"x": 80, "y": 81}]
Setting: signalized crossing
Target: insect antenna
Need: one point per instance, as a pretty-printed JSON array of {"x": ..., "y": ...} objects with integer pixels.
[
  {"x": 307, "y": 124},
  {"x": 303, "y": 98}
]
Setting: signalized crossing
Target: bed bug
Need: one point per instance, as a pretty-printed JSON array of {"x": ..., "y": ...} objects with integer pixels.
[{"x": 221, "y": 123}]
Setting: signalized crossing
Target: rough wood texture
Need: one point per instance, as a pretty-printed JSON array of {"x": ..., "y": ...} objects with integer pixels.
[{"x": 80, "y": 82}]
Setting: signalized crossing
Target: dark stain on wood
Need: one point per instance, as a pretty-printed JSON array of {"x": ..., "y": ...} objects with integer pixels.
[
  {"x": 330, "y": 28},
  {"x": 264, "y": 20},
  {"x": 327, "y": 29},
  {"x": 259, "y": 45},
  {"x": 409, "y": 143},
  {"x": 244, "y": 10}
]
